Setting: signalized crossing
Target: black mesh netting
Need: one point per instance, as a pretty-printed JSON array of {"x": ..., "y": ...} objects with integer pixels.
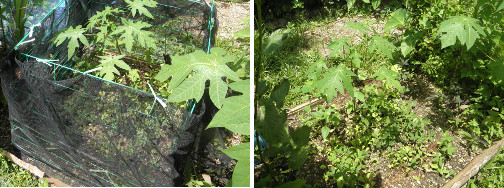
[
  {"x": 180, "y": 26},
  {"x": 87, "y": 131}
]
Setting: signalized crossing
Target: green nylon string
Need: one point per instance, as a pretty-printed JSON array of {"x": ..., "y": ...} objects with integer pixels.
[
  {"x": 26, "y": 36},
  {"x": 210, "y": 27}
]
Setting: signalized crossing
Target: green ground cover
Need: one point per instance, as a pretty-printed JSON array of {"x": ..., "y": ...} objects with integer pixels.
[{"x": 410, "y": 100}]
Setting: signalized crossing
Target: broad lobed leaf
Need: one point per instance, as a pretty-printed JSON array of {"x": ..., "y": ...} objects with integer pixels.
[
  {"x": 108, "y": 63},
  {"x": 132, "y": 32},
  {"x": 235, "y": 112},
  {"x": 339, "y": 46},
  {"x": 335, "y": 80},
  {"x": 464, "y": 28},
  {"x": 382, "y": 45},
  {"x": 206, "y": 67},
  {"x": 101, "y": 17},
  {"x": 75, "y": 35},
  {"x": 139, "y": 5},
  {"x": 358, "y": 26},
  {"x": 241, "y": 172},
  {"x": 389, "y": 77}
]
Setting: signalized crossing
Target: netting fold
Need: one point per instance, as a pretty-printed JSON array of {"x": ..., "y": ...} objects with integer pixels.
[{"x": 87, "y": 131}]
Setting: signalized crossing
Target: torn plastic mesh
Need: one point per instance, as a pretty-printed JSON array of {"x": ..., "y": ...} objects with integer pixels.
[{"x": 89, "y": 132}]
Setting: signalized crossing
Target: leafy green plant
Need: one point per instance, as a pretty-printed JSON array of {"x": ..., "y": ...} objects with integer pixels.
[
  {"x": 205, "y": 67},
  {"x": 433, "y": 30},
  {"x": 438, "y": 164},
  {"x": 464, "y": 28},
  {"x": 491, "y": 174},
  {"x": 110, "y": 33},
  {"x": 446, "y": 144},
  {"x": 14, "y": 176},
  {"x": 408, "y": 156},
  {"x": 109, "y": 63},
  {"x": 189, "y": 74},
  {"x": 270, "y": 118},
  {"x": 75, "y": 35},
  {"x": 348, "y": 168},
  {"x": 322, "y": 117}
]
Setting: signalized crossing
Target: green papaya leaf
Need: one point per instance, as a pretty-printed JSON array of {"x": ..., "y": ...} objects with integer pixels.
[
  {"x": 241, "y": 172},
  {"x": 206, "y": 67},
  {"x": 301, "y": 136},
  {"x": 382, "y": 45},
  {"x": 464, "y": 28},
  {"x": 279, "y": 92},
  {"x": 275, "y": 41},
  {"x": 75, "y": 35},
  {"x": 235, "y": 112},
  {"x": 108, "y": 64},
  {"x": 358, "y": 26},
  {"x": 336, "y": 79},
  {"x": 139, "y": 5},
  {"x": 131, "y": 32},
  {"x": 389, "y": 78},
  {"x": 339, "y": 46},
  {"x": 398, "y": 18}
]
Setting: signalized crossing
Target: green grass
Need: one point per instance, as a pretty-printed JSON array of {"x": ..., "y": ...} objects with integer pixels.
[
  {"x": 11, "y": 175},
  {"x": 492, "y": 174}
]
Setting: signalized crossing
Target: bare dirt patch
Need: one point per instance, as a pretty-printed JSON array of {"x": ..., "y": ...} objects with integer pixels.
[
  {"x": 321, "y": 36},
  {"x": 230, "y": 16}
]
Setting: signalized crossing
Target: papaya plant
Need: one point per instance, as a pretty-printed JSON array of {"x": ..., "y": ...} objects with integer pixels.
[
  {"x": 187, "y": 74},
  {"x": 110, "y": 33},
  {"x": 270, "y": 116}
]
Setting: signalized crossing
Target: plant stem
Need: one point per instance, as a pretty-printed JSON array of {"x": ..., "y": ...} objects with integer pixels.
[
  {"x": 262, "y": 159},
  {"x": 117, "y": 46},
  {"x": 259, "y": 52},
  {"x": 258, "y": 76}
]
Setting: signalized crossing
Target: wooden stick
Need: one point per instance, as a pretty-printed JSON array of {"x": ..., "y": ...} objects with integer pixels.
[
  {"x": 34, "y": 170},
  {"x": 474, "y": 166},
  {"x": 309, "y": 103}
]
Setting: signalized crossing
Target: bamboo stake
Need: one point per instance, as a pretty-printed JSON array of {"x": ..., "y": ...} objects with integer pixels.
[
  {"x": 474, "y": 166},
  {"x": 34, "y": 170},
  {"x": 308, "y": 103}
]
